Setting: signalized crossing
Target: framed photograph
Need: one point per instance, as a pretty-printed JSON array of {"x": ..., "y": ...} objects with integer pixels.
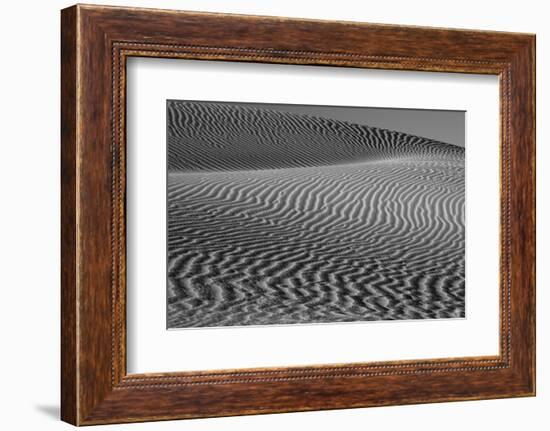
[{"x": 265, "y": 215}]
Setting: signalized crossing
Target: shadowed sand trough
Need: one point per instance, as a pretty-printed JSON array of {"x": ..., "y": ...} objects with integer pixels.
[{"x": 281, "y": 218}]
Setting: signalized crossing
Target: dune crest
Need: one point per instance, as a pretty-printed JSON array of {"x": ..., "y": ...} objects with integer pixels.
[{"x": 226, "y": 137}]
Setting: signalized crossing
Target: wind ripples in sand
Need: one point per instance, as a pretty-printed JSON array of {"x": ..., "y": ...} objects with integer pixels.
[{"x": 279, "y": 218}]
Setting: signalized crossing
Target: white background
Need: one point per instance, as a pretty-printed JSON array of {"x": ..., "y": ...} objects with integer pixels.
[
  {"x": 29, "y": 228},
  {"x": 151, "y": 348}
]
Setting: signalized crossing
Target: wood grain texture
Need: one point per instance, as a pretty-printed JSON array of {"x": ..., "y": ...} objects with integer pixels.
[
  {"x": 69, "y": 397},
  {"x": 96, "y": 41}
]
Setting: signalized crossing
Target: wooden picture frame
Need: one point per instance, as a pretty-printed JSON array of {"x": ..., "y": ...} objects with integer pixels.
[{"x": 95, "y": 43}]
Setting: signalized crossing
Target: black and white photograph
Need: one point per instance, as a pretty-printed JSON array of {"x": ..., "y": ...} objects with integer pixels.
[{"x": 283, "y": 214}]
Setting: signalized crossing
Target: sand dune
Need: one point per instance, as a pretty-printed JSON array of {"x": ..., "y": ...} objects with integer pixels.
[{"x": 279, "y": 218}]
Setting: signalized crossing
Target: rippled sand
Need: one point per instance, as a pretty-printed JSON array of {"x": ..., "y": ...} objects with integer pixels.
[{"x": 279, "y": 218}]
